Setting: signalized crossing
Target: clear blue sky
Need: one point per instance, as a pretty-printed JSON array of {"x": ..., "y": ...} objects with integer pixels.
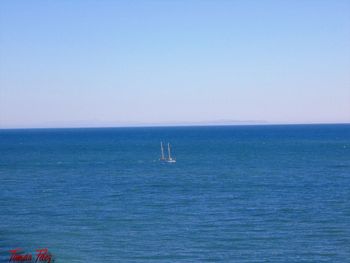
[{"x": 100, "y": 63}]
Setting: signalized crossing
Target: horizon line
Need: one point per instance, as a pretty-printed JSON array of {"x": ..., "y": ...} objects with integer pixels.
[{"x": 160, "y": 125}]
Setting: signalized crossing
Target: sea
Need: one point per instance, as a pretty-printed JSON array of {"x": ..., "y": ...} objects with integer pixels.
[{"x": 259, "y": 193}]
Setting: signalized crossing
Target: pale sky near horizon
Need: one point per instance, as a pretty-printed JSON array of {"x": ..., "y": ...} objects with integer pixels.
[{"x": 100, "y": 63}]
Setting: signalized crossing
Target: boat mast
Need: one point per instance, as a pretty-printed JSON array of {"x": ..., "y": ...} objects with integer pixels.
[
  {"x": 162, "y": 150},
  {"x": 169, "y": 151}
]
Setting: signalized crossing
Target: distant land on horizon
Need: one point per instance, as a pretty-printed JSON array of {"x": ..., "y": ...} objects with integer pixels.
[{"x": 96, "y": 124}]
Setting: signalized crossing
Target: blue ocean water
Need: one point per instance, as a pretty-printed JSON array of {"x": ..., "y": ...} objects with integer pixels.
[{"x": 236, "y": 194}]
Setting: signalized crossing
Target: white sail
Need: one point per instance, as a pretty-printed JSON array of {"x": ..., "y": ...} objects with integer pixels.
[
  {"x": 162, "y": 151},
  {"x": 170, "y": 159},
  {"x": 169, "y": 151}
]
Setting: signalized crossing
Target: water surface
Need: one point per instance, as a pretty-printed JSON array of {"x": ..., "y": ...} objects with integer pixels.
[{"x": 236, "y": 193}]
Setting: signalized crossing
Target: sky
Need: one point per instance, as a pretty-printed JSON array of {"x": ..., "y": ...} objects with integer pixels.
[{"x": 110, "y": 63}]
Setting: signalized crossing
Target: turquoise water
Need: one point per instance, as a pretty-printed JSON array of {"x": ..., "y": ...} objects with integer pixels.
[{"x": 236, "y": 194}]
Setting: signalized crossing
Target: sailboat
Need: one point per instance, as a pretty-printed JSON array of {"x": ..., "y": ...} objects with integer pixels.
[{"x": 162, "y": 157}]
